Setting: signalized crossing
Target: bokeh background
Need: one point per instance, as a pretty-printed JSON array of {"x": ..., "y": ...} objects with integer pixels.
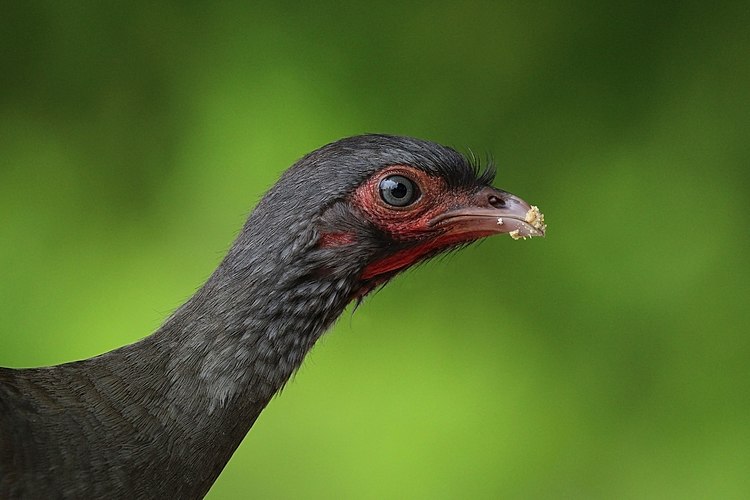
[{"x": 610, "y": 360}]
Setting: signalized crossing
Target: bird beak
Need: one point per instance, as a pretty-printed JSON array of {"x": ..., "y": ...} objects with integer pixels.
[{"x": 490, "y": 211}]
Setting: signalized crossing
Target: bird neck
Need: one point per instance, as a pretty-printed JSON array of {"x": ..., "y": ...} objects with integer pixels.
[
  {"x": 222, "y": 356},
  {"x": 243, "y": 336},
  {"x": 178, "y": 403},
  {"x": 215, "y": 364}
]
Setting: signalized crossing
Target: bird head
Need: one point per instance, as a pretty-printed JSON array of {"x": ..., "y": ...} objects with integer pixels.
[{"x": 369, "y": 207}]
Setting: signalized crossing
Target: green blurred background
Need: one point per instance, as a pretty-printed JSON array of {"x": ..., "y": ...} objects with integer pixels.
[{"x": 609, "y": 360}]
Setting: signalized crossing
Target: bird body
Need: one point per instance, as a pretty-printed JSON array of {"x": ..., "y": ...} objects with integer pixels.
[{"x": 161, "y": 417}]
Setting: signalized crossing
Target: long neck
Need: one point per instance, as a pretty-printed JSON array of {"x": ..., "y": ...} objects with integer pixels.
[
  {"x": 244, "y": 333},
  {"x": 169, "y": 411},
  {"x": 224, "y": 354}
]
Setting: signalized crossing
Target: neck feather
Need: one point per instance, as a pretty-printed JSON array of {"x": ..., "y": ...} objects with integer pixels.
[{"x": 219, "y": 359}]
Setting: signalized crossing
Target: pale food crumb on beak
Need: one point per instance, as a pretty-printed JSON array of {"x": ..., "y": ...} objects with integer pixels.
[{"x": 536, "y": 218}]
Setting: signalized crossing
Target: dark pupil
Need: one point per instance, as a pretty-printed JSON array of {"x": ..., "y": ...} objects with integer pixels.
[{"x": 398, "y": 189}]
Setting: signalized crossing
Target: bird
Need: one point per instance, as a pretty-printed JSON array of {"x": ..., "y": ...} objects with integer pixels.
[{"x": 161, "y": 417}]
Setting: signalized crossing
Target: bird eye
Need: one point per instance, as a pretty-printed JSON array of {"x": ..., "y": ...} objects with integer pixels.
[{"x": 398, "y": 191}]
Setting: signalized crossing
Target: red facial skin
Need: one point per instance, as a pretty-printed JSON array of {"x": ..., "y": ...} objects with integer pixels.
[
  {"x": 410, "y": 223},
  {"x": 405, "y": 224},
  {"x": 440, "y": 217}
]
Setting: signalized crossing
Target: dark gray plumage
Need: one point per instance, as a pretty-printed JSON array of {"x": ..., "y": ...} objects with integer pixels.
[{"x": 160, "y": 418}]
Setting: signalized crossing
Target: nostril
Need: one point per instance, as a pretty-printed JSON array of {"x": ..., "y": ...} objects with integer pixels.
[{"x": 496, "y": 201}]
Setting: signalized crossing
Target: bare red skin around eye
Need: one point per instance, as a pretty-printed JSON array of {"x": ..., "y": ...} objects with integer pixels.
[
  {"x": 404, "y": 224},
  {"x": 410, "y": 223}
]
